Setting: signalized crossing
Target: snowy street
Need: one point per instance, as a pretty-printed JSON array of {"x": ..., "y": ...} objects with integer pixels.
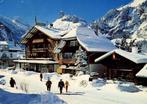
[{"x": 102, "y": 94}]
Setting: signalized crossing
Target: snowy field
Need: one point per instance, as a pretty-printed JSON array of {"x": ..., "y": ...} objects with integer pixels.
[{"x": 30, "y": 90}]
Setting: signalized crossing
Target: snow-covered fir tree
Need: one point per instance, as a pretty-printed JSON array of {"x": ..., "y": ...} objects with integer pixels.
[{"x": 81, "y": 61}]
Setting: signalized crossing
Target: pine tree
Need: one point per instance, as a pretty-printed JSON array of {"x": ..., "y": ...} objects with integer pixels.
[{"x": 81, "y": 61}]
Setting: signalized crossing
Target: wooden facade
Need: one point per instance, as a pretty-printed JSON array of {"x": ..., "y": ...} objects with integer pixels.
[
  {"x": 67, "y": 55},
  {"x": 68, "y": 52},
  {"x": 39, "y": 47},
  {"x": 119, "y": 67},
  {"x": 42, "y": 42}
]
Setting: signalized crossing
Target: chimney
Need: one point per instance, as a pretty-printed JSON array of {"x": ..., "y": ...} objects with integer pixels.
[{"x": 51, "y": 25}]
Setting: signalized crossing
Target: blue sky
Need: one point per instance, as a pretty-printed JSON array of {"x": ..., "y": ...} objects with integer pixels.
[{"x": 48, "y": 10}]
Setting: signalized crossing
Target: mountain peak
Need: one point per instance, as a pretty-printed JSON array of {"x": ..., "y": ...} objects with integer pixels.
[
  {"x": 68, "y": 22},
  {"x": 136, "y": 3}
]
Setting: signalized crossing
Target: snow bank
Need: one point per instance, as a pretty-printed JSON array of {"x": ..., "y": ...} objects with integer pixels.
[
  {"x": 48, "y": 98},
  {"x": 98, "y": 82},
  {"x": 128, "y": 87},
  {"x": 18, "y": 98}
]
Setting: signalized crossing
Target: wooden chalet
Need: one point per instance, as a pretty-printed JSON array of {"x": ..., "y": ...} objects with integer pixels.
[
  {"x": 86, "y": 38},
  {"x": 121, "y": 64},
  {"x": 39, "y": 46},
  {"x": 142, "y": 76}
]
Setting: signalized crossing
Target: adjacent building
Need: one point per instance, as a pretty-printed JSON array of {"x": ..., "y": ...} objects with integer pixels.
[
  {"x": 121, "y": 64},
  {"x": 9, "y": 52},
  {"x": 85, "y": 38}
]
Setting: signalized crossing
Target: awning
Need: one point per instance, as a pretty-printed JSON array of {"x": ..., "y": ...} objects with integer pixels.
[{"x": 36, "y": 61}]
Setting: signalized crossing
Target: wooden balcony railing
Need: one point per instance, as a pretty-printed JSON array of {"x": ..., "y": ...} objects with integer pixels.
[{"x": 67, "y": 61}]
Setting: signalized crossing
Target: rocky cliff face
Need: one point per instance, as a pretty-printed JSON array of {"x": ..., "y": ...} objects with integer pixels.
[
  {"x": 11, "y": 30},
  {"x": 129, "y": 20}
]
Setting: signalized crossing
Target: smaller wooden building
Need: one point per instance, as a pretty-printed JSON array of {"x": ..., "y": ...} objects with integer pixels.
[
  {"x": 142, "y": 76},
  {"x": 121, "y": 64}
]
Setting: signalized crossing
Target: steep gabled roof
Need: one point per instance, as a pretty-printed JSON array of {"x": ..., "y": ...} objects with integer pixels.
[
  {"x": 93, "y": 43},
  {"x": 50, "y": 32},
  {"x": 89, "y": 40},
  {"x": 72, "y": 34},
  {"x": 136, "y": 58}
]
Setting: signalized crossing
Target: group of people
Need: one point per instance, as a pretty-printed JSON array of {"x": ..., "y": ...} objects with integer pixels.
[{"x": 61, "y": 84}]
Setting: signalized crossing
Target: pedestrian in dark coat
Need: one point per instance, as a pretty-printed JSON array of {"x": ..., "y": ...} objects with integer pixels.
[
  {"x": 61, "y": 85},
  {"x": 41, "y": 76},
  {"x": 48, "y": 85},
  {"x": 12, "y": 82}
]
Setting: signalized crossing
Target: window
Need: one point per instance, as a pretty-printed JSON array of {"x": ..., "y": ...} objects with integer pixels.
[
  {"x": 11, "y": 55},
  {"x": 73, "y": 43},
  {"x": 67, "y": 55}
]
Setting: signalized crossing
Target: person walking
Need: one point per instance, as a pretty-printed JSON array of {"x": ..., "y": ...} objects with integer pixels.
[
  {"x": 66, "y": 85},
  {"x": 12, "y": 82},
  {"x": 61, "y": 85},
  {"x": 48, "y": 85},
  {"x": 41, "y": 76}
]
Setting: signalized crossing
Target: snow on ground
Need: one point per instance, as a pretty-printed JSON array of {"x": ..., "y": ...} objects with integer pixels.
[{"x": 81, "y": 91}]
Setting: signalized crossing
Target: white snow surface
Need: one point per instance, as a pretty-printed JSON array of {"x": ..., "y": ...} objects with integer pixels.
[
  {"x": 89, "y": 40},
  {"x": 77, "y": 94},
  {"x": 136, "y": 3},
  {"x": 136, "y": 58},
  {"x": 142, "y": 72},
  {"x": 71, "y": 34},
  {"x": 36, "y": 61},
  {"x": 65, "y": 25},
  {"x": 141, "y": 32},
  {"x": 49, "y": 31}
]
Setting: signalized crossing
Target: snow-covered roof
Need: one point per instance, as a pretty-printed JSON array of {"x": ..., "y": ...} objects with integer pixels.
[
  {"x": 68, "y": 67},
  {"x": 36, "y": 61},
  {"x": 93, "y": 43},
  {"x": 136, "y": 58},
  {"x": 3, "y": 43},
  {"x": 51, "y": 32},
  {"x": 142, "y": 72},
  {"x": 70, "y": 35}
]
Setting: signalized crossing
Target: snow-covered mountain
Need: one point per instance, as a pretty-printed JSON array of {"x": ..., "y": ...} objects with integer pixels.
[
  {"x": 11, "y": 29},
  {"x": 68, "y": 22},
  {"x": 128, "y": 20}
]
